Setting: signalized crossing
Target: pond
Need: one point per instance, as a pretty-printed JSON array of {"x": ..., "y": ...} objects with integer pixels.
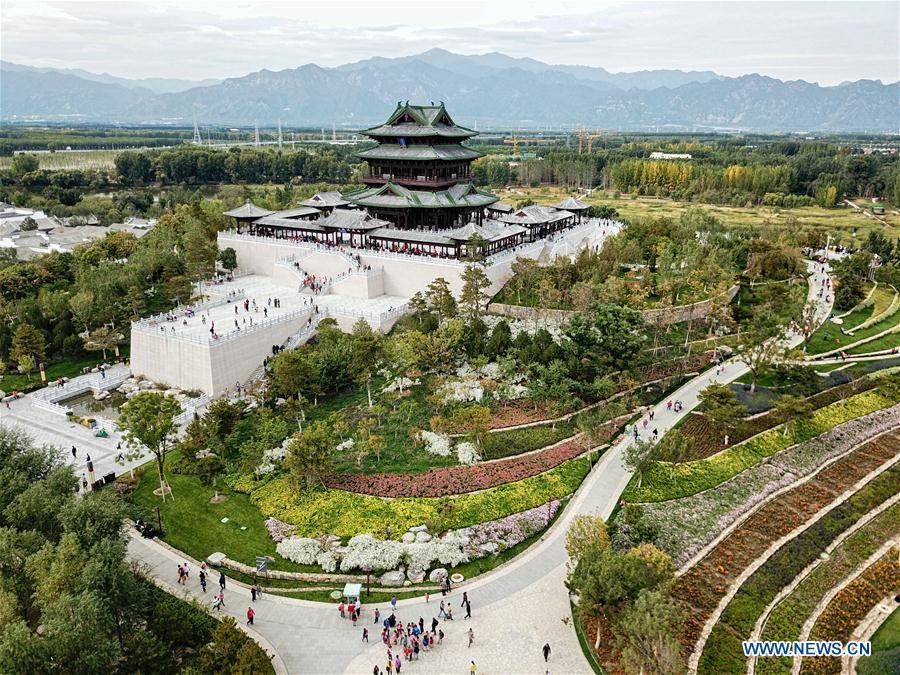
[{"x": 84, "y": 405}]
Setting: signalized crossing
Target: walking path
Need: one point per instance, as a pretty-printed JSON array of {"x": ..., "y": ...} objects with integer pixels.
[{"x": 516, "y": 608}]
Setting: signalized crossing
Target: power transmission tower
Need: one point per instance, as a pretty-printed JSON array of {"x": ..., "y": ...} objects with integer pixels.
[
  {"x": 256, "y": 134},
  {"x": 197, "y": 139},
  {"x": 333, "y": 132},
  {"x": 279, "y": 132}
]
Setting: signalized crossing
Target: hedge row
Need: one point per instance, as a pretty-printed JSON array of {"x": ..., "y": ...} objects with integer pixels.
[
  {"x": 722, "y": 652},
  {"x": 693, "y": 477},
  {"x": 788, "y": 617}
]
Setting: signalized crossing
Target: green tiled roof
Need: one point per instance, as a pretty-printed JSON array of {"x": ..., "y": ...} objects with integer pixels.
[
  {"x": 426, "y": 152},
  {"x": 424, "y": 120},
  {"x": 395, "y": 196}
]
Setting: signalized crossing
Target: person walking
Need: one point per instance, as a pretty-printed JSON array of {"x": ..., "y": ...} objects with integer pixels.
[
  {"x": 222, "y": 580},
  {"x": 221, "y": 598},
  {"x": 377, "y": 614},
  {"x": 203, "y": 580},
  {"x": 465, "y": 599},
  {"x": 394, "y": 603},
  {"x": 253, "y": 594},
  {"x": 471, "y": 636},
  {"x": 250, "y": 615},
  {"x": 546, "y": 651},
  {"x": 74, "y": 452},
  {"x": 468, "y": 610},
  {"x": 365, "y": 637},
  {"x": 472, "y": 668},
  {"x": 449, "y": 613},
  {"x": 441, "y": 611}
]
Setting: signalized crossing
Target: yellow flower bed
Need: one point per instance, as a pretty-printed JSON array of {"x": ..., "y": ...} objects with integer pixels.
[{"x": 324, "y": 511}]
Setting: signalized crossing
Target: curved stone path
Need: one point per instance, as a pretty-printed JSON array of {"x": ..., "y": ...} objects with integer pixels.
[{"x": 516, "y": 608}]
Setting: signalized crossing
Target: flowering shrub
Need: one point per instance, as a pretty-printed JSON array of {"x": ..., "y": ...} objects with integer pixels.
[
  {"x": 301, "y": 550},
  {"x": 328, "y": 560},
  {"x": 436, "y": 444},
  {"x": 512, "y": 530},
  {"x": 399, "y": 383},
  {"x": 278, "y": 530},
  {"x": 463, "y": 391},
  {"x": 458, "y": 479},
  {"x": 346, "y": 445},
  {"x": 703, "y": 586},
  {"x": 364, "y": 550},
  {"x": 686, "y": 525},
  {"x": 693, "y": 477},
  {"x": 786, "y": 620},
  {"x": 467, "y": 453},
  {"x": 346, "y": 514}
]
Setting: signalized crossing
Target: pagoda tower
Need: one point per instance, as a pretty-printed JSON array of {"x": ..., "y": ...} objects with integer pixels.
[{"x": 418, "y": 176}]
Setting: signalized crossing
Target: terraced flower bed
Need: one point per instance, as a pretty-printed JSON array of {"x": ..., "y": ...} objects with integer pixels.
[
  {"x": 722, "y": 652},
  {"x": 461, "y": 479},
  {"x": 693, "y": 477},
  {"x": 687, "y": 525},
  {"x": 708, "y": 581},
  {"x": 788, "y": 617},
  {"x": 708, "y": 440},
  {"x": 850, "y": 606},
  {"x": 345, "y": 514}
]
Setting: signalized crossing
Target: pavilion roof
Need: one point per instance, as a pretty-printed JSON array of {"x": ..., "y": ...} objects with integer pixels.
[
  {"x": 426, "y": 152},
  {"x": 571, "y": 204},
  {"x": 488, "y": 232},
  {"x": 290, "y": 223},
  {"x": 391, "y": 195},
  {"x": 420, "y": 120},
  {"x": 535, "y": 215},
  {"x": 502, "y": 207},
  {"x": 412, "y": 236},
  {"x": 248, "y": 210},
  {"x": 345, "y": 219},
  {"x": 325, "y": 199},
  {"x": 298, "y": 212}
]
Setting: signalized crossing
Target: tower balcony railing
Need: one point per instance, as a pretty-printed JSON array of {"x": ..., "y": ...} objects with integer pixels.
[{"x": 414, "y": 181}]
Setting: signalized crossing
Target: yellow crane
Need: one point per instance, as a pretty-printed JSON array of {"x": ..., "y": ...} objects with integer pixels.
[{"x": 582, "y": 136}]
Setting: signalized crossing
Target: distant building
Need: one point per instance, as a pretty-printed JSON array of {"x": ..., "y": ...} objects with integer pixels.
[{"x": 670, "y": 155}]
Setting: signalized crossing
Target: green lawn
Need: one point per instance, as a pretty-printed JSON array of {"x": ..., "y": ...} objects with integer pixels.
[
  {"x": 830, "y": 335},
  {"x": 885, "y": 659},
  {"x": 888, "y": 634},
  {"x": 888, "y": 341},
  {"x": 193, "y": 525}
]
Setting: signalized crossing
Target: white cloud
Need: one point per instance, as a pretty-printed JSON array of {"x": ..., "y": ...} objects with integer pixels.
[{"x": 827, "y": 42}]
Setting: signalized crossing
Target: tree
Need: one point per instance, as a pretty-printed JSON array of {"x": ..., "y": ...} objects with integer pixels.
[
  {"x": 28, "y": 225},
  {"x": 524, "y": 271},
  {"x": 586, "y": 533},
  {"x": 609, "y": 337},
  {"x": 418, "y": 304},
  {"x": 309, "y": 454},
  {"x": 367, "y": 346},
  {"x": 789, "y": 407},
  {"x": 638, "y": 458},
  {"x": 228, "y": 258},
  {"x": 231, "y": 651},
  {"x": 401, "y": 354},
  {"x": 723, "y": 407},
  {"x": 647, "y": 634},
  {"x": 22, "y": 164},
  {"x": 82, "y": 306},
  {"x": 440, "y": 299},
  {"x": 148, "y": 420},
  {"x": 473, "y": 421},
  {"x": 101, "y": 339},
  {"x": 28, "y": 341},
  {"x": 761, "y": 345},
  {"x": 474, "y": 291},
  {"x": 675, "y": 448}
]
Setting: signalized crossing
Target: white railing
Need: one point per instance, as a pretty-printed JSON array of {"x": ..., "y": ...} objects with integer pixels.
[
  {"x": 115, "y": 376},
  {"x": 195, "y": 404},
  {"x": 183, "y": 312},
  {"x": 369, "y": 314}
]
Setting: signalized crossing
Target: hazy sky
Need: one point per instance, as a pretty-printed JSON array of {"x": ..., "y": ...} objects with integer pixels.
[{"x": 826, "y": 42}]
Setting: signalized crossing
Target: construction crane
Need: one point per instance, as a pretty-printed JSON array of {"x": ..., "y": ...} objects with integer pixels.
[
  {"x": 582, "y": 136},
  {"x": 515, "y": 140}
]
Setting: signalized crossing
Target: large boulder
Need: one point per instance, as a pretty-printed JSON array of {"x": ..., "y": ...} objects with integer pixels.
[
  {"x": 215, "y": 559},
  {"x": 437, "y": 575},
  {"x": 392, "y": 578},
  {"x": 423, "y": 537},
  {"x": 408, "y": 538},
  {"x": 419, "y": 528},
  {"x": 415, "y": 576},
  {"x": 489, "y": 548}
]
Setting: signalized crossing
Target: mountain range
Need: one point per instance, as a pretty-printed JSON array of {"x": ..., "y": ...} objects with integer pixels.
[{"x": 488, "y": 90}]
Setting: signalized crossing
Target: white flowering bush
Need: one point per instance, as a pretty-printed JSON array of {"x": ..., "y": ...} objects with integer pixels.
[
  {"x": 510, "y": 392},
  {"x": 450, "y": 549},
  {"x": 328, "y": 560},
  {"x": 436, "y": 444},
  {"x": 467, "y": 453},
  {"x": 346, "y": 445},
  {"x": 301, "y": 550},
  {"x": 464, "y": 391},
  {"x": 271, "y": 458},
  {"x": 399, "y": 383},
  {"x": 364, "y": 550},
  {"x": 419, "y": 556}
]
